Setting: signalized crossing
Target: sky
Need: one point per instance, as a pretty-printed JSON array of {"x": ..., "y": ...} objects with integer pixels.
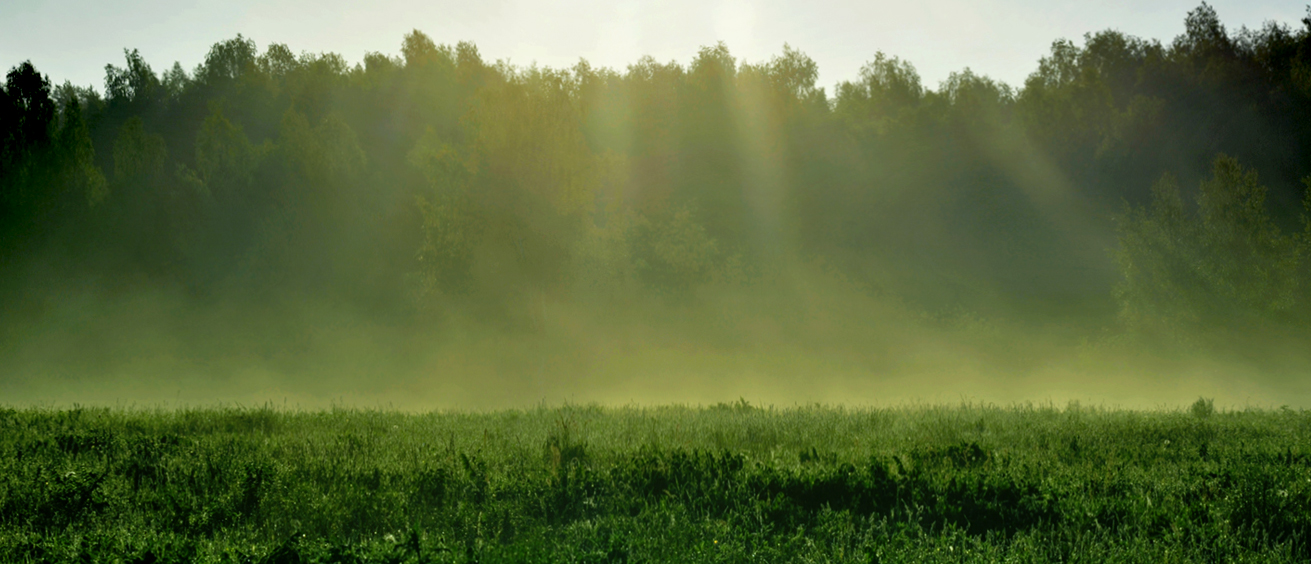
[{"x": 73, "y": 40}]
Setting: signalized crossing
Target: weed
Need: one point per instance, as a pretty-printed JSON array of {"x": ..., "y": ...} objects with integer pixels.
[{"x": 1202, "y": 408}]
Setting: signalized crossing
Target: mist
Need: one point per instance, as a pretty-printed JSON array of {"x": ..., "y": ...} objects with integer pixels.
[
  {"x": 431, "y": 231},
  {"x": 826, "y": 343}
]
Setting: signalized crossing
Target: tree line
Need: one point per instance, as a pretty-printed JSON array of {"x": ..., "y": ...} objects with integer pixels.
[{"x": 1122, "y": 176}]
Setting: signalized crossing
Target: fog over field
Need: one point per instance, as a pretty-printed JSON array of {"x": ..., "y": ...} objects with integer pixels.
[
  {"x": 146, "y": 349},
  {"x": 428, "y": 229}
]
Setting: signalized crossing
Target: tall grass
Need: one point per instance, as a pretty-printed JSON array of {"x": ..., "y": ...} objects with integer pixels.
[{"x": 731, "y": 482}]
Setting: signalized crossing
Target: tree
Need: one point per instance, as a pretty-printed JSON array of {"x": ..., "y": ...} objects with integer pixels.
[
  {"x": 673, "y": 253},
  {"x": 229, "y": 60},
  {"x": 1226, "y": 264},
  {"x": 887, "y": 88},
  {"x": 80, "y": 173},
  {"x": 28, "y": 197},
  {"x": 225, "y": 159},
  {"x": 136, "y": 83},
  {"x": 139, "y": 157},
  {"x": 450, "y": 225}
]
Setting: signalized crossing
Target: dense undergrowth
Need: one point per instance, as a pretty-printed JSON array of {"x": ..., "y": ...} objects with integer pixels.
[{"x": 731, "y": 483}]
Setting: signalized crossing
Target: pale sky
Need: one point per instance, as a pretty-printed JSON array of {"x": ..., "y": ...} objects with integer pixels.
[{"x": 74, "y": 39}]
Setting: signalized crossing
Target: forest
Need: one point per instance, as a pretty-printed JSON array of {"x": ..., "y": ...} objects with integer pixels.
[
  {"x": 1129, "y": 191},
  {"x": 284, "y": 308}
]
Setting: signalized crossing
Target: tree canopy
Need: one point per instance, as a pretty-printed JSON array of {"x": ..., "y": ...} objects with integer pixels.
[{"x": 436, "y": 176}]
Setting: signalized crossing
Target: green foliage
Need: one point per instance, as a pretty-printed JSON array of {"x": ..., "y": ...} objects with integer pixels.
[
  {"x": 673, "y": 254},
  {"x": 888, "y": 87},
  {"x": 30, "y": 111},
  {"x": 136, "y": 83},
  {"x": 1252, "y": 262},
  {"x": 138, "y": 156},
  {"x": 231, "y": 59},
  {"x": 977, "y": 97},
  {"x": 326, "y": 154},
  {"x": 1219, "y": 266},
  {"x": 264, "y": 170},
  {"x": 225, "y": 158},
  {"x": 1202, "y": 408},
  {"x": 48, "y": 172},
  {"x": 446, "y": 254},
  {"x": 449, "y": 226},
  {"x": 666, "y": 484},
  {"x": 1068, "y": 98},
  {"x": 81, "y": 175}
]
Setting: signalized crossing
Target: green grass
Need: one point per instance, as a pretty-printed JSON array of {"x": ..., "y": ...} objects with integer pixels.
[{"x": 730, "y": 483}]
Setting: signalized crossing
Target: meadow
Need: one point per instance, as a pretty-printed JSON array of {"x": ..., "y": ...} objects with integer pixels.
[{"x": 724, "y": 483}]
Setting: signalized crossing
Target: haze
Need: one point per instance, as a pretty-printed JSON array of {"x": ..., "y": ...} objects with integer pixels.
[{"x": 395, "y": 207}]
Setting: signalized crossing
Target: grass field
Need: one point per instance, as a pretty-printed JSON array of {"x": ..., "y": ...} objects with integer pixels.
[{"x": 728, "y": 483}]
